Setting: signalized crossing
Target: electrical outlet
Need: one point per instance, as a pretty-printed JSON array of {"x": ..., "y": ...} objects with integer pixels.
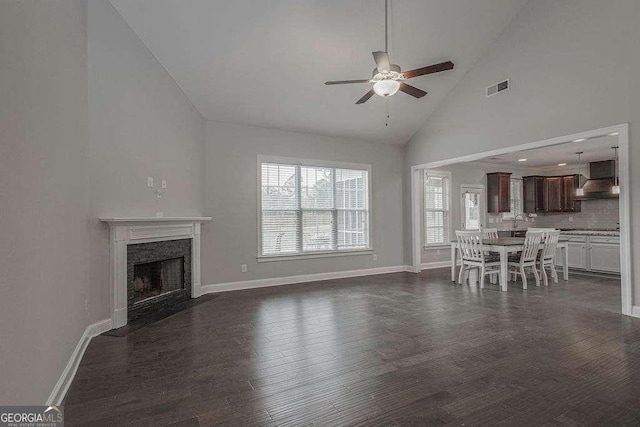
[
  {"x": 164, "y": 183},
  {"x": 491, "y": 220},
  {"x": 243, "y": 267},
  {"x": 159, "y": 194},
  {"x": 150, "y": 181},
  {"x": 570, "y": 219},
  {"x": 375, "y": 257},
  {"x": 86, "y": 306},
  {"x": 159, "y": 214},
  {"x": 438, "y": 251}
]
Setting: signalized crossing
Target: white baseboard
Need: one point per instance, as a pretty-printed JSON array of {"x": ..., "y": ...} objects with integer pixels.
[
  {"x": 61, "y": 387},
  {"x": 435, "y": 264},
  {"x": 278, "y": 281},
  {"x": 635, "y": 311}
]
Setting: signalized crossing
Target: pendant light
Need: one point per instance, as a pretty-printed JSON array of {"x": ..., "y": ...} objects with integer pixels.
[
  {"x": 580, "y": 189},
  {"x": 616, "y": 184}
]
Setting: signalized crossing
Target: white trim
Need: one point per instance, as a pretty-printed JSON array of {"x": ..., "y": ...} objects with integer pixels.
[
  {"x": 263, "y": 158},
  {"x": 625, "y": 205},
  {"x": 60, "y": 389},
  {"x": 435, "y": 264},
  {"x": 135, "y": 220},
  {"x": 311, "y": 255},
  {"x": 635, "y": 311},
  {"x": 290, "y": 280}
]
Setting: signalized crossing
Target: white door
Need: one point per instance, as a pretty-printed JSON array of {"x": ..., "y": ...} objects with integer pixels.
[{"x": 472, "y": 207}]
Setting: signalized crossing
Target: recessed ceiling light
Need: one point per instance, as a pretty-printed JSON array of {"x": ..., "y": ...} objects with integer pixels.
[
  {"x": 580, "y": 140},
  {"x": 522, "y": 160},
  {"x": 562, "y": 164}
]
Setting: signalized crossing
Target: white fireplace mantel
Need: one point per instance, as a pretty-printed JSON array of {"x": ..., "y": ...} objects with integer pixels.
[{"x": 134, "y": 230}]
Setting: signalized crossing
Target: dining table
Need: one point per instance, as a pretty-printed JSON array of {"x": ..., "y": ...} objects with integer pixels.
[{"x": 505, "y": 246}]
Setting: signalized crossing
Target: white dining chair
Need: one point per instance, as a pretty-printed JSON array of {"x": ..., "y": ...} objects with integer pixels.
[
  {"x": 526, "y": 258},
  {"x": 474, "y": 256},
  {"x": 490, "y": 233},
  {"x": 548, "y": 254}
]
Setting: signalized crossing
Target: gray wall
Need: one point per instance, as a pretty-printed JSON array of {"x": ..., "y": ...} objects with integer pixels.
[
  {"x": 573, "y": 66},
  {"x": 140, "y": 124},
  {"x": 232, "y": 191},
  {"x": 86, "y": 113},
  {"x": 44, "y": 202}
]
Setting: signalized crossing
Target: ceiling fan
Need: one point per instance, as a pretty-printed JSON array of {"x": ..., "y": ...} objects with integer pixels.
[{"x": 388, "y": 78}]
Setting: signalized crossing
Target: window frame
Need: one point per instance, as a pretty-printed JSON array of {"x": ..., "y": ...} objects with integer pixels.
[
  {"x": 442, "y": 174},
  {"x": 511, "y": 216},
  {"x": 298, "y": 162}
]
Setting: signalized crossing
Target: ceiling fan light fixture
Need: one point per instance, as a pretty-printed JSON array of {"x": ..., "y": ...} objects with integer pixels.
[{"x": 386, "y": 87}]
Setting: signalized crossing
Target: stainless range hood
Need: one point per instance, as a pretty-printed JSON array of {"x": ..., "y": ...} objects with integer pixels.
[{"x": 601, "y": 180}]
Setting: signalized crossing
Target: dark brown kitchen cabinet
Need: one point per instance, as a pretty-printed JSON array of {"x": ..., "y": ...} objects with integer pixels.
[
  {"x": 498, "y": 192},
  {"x": 570, "y": 184},
  {"x": 534, "y": 195},
  {"x": 554, "y": 194}
]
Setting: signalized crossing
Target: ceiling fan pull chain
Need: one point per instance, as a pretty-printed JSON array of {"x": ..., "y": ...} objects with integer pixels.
[{"x": 386, "y": 110}]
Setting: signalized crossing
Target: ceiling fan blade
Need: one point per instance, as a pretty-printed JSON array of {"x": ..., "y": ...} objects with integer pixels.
[
  {"x": 382, "y": 61},
  {"x": 412, "y": 90},
  {"x": 366, "y": 97},
  {"x": 436, "y": 68},
  {"x": 344, "y": 82}
]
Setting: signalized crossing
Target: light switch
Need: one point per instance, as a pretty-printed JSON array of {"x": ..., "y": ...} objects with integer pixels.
[
  {"x": 150, "y": 181},
  {"x": 164, "y": 183}
]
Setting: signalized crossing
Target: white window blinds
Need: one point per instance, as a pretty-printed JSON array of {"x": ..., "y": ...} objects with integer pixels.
[
  {"x": 515, "y": 199},
  {"x": 437, "y": 218},
  {"x": 308, "y": 209}
]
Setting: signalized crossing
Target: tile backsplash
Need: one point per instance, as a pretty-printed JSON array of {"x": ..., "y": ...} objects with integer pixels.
[{"x": 600, "y": 214}]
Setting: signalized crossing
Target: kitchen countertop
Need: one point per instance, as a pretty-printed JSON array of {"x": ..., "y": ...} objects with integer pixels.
[{"x": 592, "y": 232}]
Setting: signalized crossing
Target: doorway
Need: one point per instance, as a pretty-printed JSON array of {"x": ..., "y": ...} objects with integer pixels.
[{"x": 472, "y": 209}]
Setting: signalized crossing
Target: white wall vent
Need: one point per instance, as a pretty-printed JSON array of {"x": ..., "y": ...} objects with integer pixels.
[{"x": 498, "y": 87}]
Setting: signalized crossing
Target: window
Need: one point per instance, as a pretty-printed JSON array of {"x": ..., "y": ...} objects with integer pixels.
[
  {"x": 437, "y": 215},
  {"x": 515, "y": 199},
  {"x": 313, "y": 208}
]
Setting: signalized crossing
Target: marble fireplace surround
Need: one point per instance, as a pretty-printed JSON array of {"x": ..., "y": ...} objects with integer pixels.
[{"x": 129, "y": 231}]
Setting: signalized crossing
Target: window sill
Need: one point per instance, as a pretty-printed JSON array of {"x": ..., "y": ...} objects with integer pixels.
[
  {"x": 271, "y": 258},
  {"x": 434, "y": 247}
]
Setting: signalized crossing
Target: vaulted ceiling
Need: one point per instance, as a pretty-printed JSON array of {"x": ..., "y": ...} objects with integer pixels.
[{"x": 263, "y": 63}]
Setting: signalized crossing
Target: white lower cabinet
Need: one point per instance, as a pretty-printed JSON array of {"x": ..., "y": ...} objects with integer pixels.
[
  {"x": 578, "y": 255},
  {"x": 592, "y": 253},
  {"x": 604, "y": 257}
]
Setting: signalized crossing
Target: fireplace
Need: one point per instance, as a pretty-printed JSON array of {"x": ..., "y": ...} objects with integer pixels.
[
  {"x": 158, "y": 276},
  {"x": 132, "y": 242}
]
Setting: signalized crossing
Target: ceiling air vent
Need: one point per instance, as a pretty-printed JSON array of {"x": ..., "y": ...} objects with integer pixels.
[{"x": 498, "y": 87}]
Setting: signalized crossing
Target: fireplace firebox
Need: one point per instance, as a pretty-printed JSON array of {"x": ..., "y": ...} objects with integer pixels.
[{"x": 158, "y": 276}]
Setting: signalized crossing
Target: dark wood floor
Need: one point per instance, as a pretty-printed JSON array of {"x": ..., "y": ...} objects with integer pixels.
[{"x": 397, "y": 349}]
